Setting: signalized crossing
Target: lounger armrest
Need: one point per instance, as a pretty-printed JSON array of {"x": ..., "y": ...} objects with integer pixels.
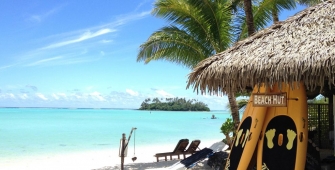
[{"x": 163, "y": 154}]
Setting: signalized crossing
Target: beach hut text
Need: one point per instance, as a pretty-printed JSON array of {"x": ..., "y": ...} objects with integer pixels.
[{"x": 266, "y": 100}]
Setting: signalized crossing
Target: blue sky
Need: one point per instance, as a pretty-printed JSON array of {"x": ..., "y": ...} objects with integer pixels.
[{"x": 80, "y": 53}]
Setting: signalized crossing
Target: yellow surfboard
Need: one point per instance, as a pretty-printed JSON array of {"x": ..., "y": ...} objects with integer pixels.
[
  {"x": 247, "y": 135},
  {"x": 284, "y": 138}
]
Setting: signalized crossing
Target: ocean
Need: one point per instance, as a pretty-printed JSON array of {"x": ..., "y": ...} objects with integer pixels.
[{"x": 29, "y": 132}]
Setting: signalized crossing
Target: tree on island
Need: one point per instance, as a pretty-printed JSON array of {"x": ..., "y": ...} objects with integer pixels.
[{"x": 173, "y": 104}]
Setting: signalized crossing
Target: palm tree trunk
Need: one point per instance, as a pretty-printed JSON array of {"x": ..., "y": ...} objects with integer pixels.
[
  {"x": 228, "y": 140},
  {"x": 234, "y": 109},
  {"x": 275, "y": 15},
  {"x": 249, "y": 16}
]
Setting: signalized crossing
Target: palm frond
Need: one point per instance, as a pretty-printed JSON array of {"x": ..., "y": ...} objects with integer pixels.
[
  {"x": 175, "y": 45},
  {"x": 207, "y": 20}
]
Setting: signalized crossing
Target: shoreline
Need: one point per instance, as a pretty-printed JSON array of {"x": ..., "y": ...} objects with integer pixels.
[{"x": 98, "y": 160}]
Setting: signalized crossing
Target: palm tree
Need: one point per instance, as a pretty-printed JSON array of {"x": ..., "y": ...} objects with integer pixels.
[
  {"x": 265, "y": 11},
  {"x": 256, "y": 16},
  {"x": 279, "y": 5},
  {"x": 249, "y": 16},
  {"x": 199, "y": 29},
  {"x": 241, "y": 103}
]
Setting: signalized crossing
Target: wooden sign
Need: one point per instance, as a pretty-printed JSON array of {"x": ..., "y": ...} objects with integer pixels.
[{"x": 269, "y": 99}]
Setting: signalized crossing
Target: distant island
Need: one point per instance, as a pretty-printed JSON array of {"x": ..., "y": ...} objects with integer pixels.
[{"x": 173, "y": 104}]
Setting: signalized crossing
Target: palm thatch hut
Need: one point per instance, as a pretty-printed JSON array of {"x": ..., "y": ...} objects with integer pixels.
[{"x": 301, "y": 48}]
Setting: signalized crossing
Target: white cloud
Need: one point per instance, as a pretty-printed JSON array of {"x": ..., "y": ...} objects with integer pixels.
[
  {"x": 55, "y": 96},
  {"x": 39, "y": 62},
  {"x": 79, "y": 97},
  {"x": 67, "y": 59},
  {"x": 36, "y": 18},
  {"x": 131, "y": 92},
  {"x": 41, "y": 96},
  {"x": 85, "y": 36},
  {"x": 164, "y": 93},
  {"x": 76, "y": 98},
  {"x": 106, "y": 41},
  {"x": 23, "y": 96},
  {"x": 40, "y": 17},
  {"x": 97, "y": 96},
  {"x": 59, "y": 96},
  {"x": 6, "y": 66},
  {"x": 57, "y": 44},
  {"x": 44, "y": 61},
  {"x": 11, "y": 95},
  {"x": 140, "y": 5},
  {"x": 145, "y": 13},
  {"x": 7, "y": 96}
]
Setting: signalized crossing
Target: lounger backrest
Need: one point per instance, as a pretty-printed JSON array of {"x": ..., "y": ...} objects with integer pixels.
[
  {"x": 181, "y": 146},
  {"x": 193, "y": 146},
  {"x": 200, "y": 155}
]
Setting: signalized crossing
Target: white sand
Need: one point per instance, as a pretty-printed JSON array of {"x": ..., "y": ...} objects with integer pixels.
[{"x": 107, "y": 159}]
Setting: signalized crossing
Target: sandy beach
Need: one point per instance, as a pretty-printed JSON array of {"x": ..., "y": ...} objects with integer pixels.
[
  {"x": 100, "y": 160},
  {"x": 202, "y": 165}
]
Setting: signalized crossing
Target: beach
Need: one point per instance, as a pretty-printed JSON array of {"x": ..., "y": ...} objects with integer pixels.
[
  {"x": 84, "y": 139},
  {"x": 101, "y": 160}
]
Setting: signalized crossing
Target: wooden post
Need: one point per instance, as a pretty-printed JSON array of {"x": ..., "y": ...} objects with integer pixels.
[
  {"x": 123, "y": 143},
  {"x": 333, "y": 109}
]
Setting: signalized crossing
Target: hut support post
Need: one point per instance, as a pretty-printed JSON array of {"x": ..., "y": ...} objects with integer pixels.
[{"x": 334, "y": 123}]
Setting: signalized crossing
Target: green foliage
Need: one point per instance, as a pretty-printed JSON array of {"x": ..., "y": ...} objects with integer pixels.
[
  {"x": 197, "y": 30},
  {"x": 174, "y": 104},
  {"x": 227, "y": 128},
  {"x": 240, "y": 103},
  {"x": 319, "y": 100}
]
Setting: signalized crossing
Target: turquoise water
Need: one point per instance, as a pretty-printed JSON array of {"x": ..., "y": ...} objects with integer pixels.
[{"x": 38, "y": 131}]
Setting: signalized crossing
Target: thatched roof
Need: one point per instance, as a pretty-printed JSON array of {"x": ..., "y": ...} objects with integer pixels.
[{"x": 299, "y": 48}]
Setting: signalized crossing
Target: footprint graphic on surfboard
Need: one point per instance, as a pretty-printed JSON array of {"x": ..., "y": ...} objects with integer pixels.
[
  {"x": 280, "y": 144},
  {"x": 239, "y": 144},
  {"x": 290, "y": 136},
  {"x": 241, "y": 137}
]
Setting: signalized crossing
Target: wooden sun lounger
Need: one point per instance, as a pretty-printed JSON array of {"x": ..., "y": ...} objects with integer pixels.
[
  {"x": 180, "y": 149},
  {"x": 192, "y": 148}
]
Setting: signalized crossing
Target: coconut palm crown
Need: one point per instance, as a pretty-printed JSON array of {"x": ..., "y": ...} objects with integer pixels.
[{"x": 199, "y": 29}]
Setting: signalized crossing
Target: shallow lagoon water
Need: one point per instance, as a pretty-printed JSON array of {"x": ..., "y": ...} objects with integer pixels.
[{"x": 26, "y": 132}]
